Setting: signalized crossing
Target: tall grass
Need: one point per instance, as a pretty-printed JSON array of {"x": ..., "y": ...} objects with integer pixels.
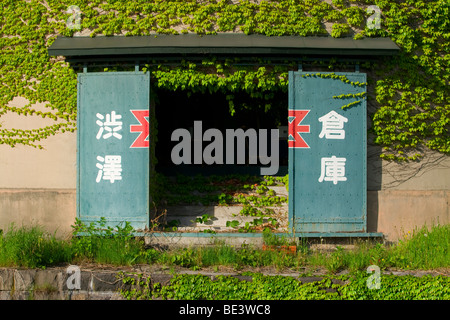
[
  {"x": 107, "y": 250},
  {"x": 364, "y": 254},
  {"x": 225, "y": 255},
  {"x": 31, "y": 247},
  {"x": 107, "y": 245},
  {"x": 424, "y": 248}
]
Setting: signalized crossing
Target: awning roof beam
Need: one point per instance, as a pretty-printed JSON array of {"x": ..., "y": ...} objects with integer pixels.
[{"x": 225, "y": 44}]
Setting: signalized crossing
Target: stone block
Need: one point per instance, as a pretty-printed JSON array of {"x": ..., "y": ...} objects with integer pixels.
[
  {"x": 6, "y": 279},
  {"x": 163, "y": 279},
  {"x": 105, "y": 281},
  {"x": 24, "y": 280},
  {"x": 5, "y": 295},
  {"x": 309, "y": 279},
  {"x": 47, "y": 279}
]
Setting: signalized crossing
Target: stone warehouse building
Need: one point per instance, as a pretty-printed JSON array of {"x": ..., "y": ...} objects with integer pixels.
[{"x": 120, "y": 95}]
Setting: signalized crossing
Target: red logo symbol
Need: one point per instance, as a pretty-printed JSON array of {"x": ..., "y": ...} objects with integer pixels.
[
  {"x": 142, "y": 141},
  {"x": 295, "y": 117}
]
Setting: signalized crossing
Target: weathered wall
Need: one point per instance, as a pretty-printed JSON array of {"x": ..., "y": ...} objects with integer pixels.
[
  {"x": 53, "y": 209},
  {"x": 402, "y": 197},
  {"x": 51, "y": 284},
  {"x": 395, "y": 212},
  {"x": 39, "y": 186}
]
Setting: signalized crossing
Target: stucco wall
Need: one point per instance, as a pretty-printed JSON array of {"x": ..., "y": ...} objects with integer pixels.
[
  {"x": 27, "y": 167},
  {"x": 38, "y": 186}
]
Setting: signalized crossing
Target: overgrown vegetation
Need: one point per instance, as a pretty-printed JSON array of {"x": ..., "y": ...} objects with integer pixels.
[
  {"x": 265, "y": 287},
  {"x": 411, "y": 108},
  {"x": 105, "y": 244},
  {"x": 32, "y": 247},
  {"x": 219, "y": 189},
  {"x": 427, "y": 248},
  {"x": 252, "y": 192}
]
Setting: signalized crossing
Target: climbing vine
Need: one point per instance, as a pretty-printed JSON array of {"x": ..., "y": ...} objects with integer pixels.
[
  {"x": 410, "y": 90},
  {"x": 210, "y": 76}
]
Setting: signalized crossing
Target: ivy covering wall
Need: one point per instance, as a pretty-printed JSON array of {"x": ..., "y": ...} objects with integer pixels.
[{"x": 410, "y": 90}]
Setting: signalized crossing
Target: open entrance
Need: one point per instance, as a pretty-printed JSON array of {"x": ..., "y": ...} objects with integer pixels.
[
  {"x": 181, "y": 109},
  {"x": 229, "y": 196}
]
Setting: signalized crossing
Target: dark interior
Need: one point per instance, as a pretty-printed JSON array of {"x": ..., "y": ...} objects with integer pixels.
[{"x": 177, "y": 109}]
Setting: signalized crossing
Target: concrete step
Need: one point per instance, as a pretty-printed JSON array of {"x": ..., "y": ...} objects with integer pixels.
[{"x": 186, "y": 215}]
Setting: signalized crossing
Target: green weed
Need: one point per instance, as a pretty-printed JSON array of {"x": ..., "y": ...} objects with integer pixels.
[
  {"x": 425, "y": 248},
  {"x": 31, "y": 247},
  {"x": 105, "y": 244}
]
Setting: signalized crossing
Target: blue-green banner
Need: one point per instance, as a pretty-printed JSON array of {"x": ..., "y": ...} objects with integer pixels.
[
  {"x": 113, "y": 147},
  {"x": 327, "y": 152}
]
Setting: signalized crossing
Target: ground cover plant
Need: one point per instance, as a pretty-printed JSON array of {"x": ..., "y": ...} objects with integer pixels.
[
  {"x": 267, "y": 287},
  {"x": 410, "y": 111}
]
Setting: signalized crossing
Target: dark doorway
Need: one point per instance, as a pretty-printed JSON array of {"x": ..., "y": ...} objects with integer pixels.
[{"x": 178, "y": 109}]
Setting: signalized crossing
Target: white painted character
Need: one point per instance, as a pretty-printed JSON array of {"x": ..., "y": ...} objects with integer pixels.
[
  {"x": 332, "y": 169},
  {"x": 110, "y": 168},
  {"x": 333, "y": 126},
  {"x": 110, "y": 127}
]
